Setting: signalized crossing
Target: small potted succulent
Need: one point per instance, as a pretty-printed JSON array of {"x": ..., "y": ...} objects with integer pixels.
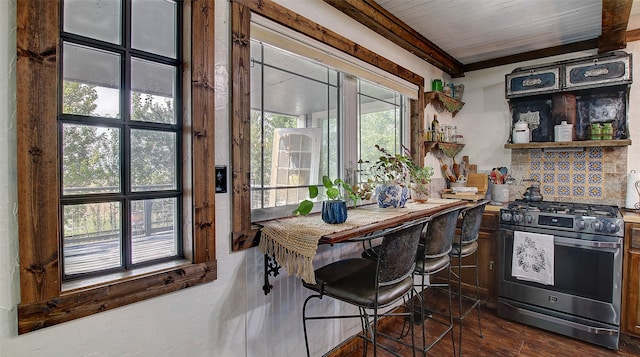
[
  {"x": 421, "y": 183},
  {"x": 334, "y": 210}
]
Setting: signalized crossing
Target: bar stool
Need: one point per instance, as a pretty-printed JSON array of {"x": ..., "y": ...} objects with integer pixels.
[
  {"x": 372, "y": 284},
  {"x": 433, "y": 257},
  {"x": 466, "y": 245}
]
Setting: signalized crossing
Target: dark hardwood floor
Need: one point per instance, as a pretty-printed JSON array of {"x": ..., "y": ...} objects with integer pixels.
[{"x": 501, "y": 338}]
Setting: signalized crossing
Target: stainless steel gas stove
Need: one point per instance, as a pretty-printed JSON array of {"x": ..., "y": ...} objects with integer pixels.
[{"x": 580, "y": 246}]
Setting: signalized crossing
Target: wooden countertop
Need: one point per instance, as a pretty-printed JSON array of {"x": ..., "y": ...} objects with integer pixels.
[
  {"x": 431, "y": 207},
  {"x": 492, "y": 208},
  {"x": 630, "y": 216}
]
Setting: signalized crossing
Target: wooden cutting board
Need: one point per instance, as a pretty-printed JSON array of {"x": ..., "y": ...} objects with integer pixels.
[{"x": 481, "y": 181}]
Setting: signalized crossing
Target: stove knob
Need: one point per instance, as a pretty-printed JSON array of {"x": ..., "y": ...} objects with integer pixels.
[
  {"x": 581, "y": 224},
  {"x": 518, "y": 217},
  {"x": 528, "y": 219},
  {"x": 613, "y": 228},
  {"x": 597, "y": 226},
  {"x": 506, "y": 216}
]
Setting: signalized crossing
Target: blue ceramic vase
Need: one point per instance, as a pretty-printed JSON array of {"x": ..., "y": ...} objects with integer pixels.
[
  {"x": 334, "y": 212},
  {"x": 391, "y": 196}
]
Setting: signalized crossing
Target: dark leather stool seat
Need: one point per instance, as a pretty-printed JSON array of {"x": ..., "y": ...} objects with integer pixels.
[{"x": 353, "y": 281}]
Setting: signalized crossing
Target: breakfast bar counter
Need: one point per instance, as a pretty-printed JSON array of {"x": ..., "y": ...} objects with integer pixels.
[{"x": 293, "y": 241}]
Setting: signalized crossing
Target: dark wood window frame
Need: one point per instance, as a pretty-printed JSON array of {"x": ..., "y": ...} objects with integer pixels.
[
  {"x": 245, "y": 235},
  {"x": 43, "y": 303}
]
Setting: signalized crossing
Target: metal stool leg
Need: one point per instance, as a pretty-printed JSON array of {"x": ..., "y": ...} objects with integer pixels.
[
  {"x": 460, "y": 301},
  {"x": 478, "y": 296}
]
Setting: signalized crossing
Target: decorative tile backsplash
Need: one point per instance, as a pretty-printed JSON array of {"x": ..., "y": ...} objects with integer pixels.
[
  {"x": 567, "y": 174},
  {"x": 594, "y": 175}
]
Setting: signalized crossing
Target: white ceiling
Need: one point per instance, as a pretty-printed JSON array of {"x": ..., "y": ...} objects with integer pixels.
[{"x": 478, "y": 30}]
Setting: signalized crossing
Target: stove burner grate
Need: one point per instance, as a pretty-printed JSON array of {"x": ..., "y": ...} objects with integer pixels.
[{"x": 568, "y": 208}]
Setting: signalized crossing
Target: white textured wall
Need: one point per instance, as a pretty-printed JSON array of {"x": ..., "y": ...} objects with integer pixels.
[
  {"x": 633, "y": 160},
  {"x": 8, "y": 190},
  {"x": 231, "y": 316}
]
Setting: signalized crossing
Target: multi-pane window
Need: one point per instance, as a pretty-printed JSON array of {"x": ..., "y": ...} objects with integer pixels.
[
  {"x": 120, "y": 129},
  {"x": 302, "y": 127},
  {"x": 380, "y": 122}
]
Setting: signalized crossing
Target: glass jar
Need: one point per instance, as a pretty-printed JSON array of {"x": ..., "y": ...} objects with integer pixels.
[
  {"x": 607, "y": 131},
  {"x": 452, "y": 132},
  {"x": 596, "y": 131}
]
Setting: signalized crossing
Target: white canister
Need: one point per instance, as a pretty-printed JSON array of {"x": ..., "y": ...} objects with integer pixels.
[
  {"x": 563, "y": 132},
  {"x": 520, "y": 132},
  {"x": 500, "y": 193}
]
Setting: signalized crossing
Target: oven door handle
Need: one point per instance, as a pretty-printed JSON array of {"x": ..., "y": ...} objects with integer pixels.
[
  {"x": 563, "y": 322},
  {"x": 586, "y": 243}
]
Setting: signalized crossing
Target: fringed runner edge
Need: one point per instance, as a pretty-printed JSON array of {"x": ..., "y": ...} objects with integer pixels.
[{"x": 295, "y": 263}]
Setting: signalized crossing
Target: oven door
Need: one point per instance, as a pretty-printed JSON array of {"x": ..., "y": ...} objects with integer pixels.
[{"x": 587, "y": 276}]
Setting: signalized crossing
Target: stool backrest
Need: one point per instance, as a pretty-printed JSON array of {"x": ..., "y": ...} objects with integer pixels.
[
  {"x": 471, "y": 219},
  {"x": 398, "y": 251},
  {"x": 438, "y": 234}
]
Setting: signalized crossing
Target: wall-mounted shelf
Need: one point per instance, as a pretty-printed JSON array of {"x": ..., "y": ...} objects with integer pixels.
[
  {"x": 442, "y": 101},
  {"x": 449, "y": 149},
  {"x": 570, "y": 144}
]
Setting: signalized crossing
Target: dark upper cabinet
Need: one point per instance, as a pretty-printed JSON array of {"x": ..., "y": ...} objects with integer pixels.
[
  {"x": 598, "y": 72},
  {"x": 581, "y": 91},
  {"x": 533, "y": 82},
  {"x": 609, "y": 69}
]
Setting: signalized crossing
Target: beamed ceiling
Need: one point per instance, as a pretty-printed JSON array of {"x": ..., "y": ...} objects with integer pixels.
[{"x": 458, "y": 36}]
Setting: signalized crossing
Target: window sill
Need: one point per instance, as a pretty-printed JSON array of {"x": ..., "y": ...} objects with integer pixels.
[
  {"x": 89, "y": 300},
  {"x": 95, "y": 282}
]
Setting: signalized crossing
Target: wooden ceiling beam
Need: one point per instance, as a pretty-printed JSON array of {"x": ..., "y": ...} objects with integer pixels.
[
  {"x": 633, "y": 35},
  {"x": 531, "y": 55},
  {"x": 615, "y": 18},
  {"x": 375, "y": 17}
]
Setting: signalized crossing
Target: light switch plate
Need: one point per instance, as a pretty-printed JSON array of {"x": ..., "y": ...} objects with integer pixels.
[{"x": 221, "y": 179}]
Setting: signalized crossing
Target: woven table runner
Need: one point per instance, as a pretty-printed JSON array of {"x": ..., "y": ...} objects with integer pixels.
[{"x": 293, "y": 241}]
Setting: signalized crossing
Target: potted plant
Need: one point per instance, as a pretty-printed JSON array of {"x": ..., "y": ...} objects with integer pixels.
[
  {"x": 421, "y": 183},
  {"x": 334, "y": 210},
  {"x": 396, "y": 174},
  {"x": 392, "y": 174}
]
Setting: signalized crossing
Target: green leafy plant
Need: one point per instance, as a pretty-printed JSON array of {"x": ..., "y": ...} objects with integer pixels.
[
  {"x": 402, "y": 169},
  {"x": 335, "y": 190},
  {"x": 420, "y": 180},
  {"x": 421, "y": 175},
  {"x": 394, "y": 168}
]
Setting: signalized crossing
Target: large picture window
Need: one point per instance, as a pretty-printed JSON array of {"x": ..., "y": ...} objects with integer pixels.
[{"x": 302, "y": 127}]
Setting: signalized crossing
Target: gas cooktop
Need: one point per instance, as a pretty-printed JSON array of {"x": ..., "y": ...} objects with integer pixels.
[
  {"x": 571, "y": 208},
  {"x": 584, "y": 218}
]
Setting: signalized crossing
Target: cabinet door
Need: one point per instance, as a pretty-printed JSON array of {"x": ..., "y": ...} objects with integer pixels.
[
  {"x": 534, "y": 81},
  {"x": 598, "y": 72},
  {"x": 486, "y": 265},
  {"x": 630, "y": 316}
]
